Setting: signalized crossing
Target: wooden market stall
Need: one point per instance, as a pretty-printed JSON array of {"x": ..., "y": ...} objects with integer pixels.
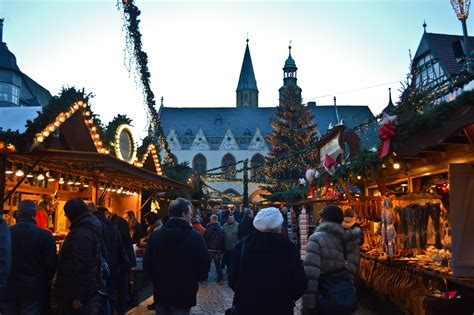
[
  {"x": 67, "y": 159},
  {"x": 431, "y": 269}
]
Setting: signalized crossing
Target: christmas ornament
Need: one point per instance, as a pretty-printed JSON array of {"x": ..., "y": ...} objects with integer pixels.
[
  {"x": 310, "y": 174},
  {"x": 386, "y": 132}
]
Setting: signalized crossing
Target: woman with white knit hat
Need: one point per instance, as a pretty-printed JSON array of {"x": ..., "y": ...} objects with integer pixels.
[{"x": 266, "y": 273}]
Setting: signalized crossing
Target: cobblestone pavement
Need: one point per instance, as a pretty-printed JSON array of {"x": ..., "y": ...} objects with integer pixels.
[{"x": 214, "y": 299}]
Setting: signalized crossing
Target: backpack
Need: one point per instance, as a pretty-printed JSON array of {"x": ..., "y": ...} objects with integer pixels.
[{"x": 336, "y": 293}]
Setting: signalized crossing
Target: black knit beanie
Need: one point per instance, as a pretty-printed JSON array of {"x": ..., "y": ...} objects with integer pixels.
[
  {"x": 74, "y": 208},
  {"x": 332, "y": 213}
]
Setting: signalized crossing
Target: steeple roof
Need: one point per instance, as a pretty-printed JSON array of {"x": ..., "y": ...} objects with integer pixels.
[
  {"x": 390, "y": 107},
  {"x": 247, "y": 76},
  {"x": 7, "y": 58},
  {"x": 290, "y": 63}
]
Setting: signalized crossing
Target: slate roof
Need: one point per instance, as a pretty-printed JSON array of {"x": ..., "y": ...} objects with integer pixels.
[
  {"x": 441, "y": 48},
  {"x": 247, "y": 76},
  {"x": 215, "y": 121},
  {"x": 15, "y": 118},
  {"x": 31, "y": 93},
  {"x": 7, "y": 58}
]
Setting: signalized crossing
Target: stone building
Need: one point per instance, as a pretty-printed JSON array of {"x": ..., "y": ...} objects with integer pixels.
[{"x": 212, "y": 137}]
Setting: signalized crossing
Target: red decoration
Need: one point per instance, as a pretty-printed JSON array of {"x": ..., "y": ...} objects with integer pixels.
[
  {"x": 386, "y": 132},
  {"x": 329, "y": 164}
]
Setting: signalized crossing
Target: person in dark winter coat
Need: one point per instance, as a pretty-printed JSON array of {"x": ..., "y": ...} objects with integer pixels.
[
  {"x": 215, "y": 239},
  {"x": 266, "y": 272},
  {"x": 33, "y": 264},
  {"x": 176, "y": 258},
  {"x": 325, "y": 252},
  {"x": 115, "y": 256},
  {"x": 153, "y": 222},
  {"x": 124, "y": 276},
  {"x": 80, "y": 263},
  {"x": 136, "y": 229},
  {"x": 5, "y": 254},
  {"x": 246, "y": 224},
  {"x": 223, "y": 215},
  {"x": 124, "y": 231}
]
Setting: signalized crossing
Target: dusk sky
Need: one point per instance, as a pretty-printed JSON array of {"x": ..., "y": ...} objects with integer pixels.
[{"x": 196, "y": 48}]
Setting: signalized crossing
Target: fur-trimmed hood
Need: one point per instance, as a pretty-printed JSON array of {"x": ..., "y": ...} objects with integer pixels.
[{"x": 338, "y": 231}]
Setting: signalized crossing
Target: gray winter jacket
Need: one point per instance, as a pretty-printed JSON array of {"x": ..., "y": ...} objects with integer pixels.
[
  {"x": 325, "y": 254},
  {"x": 231, "y": 235}
]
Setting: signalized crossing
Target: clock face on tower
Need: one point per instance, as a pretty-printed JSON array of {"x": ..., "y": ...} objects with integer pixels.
[{"x": 125, "y": 147}]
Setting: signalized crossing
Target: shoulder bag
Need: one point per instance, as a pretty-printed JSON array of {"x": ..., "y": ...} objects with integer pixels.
[{"x": 336, "y": 293}]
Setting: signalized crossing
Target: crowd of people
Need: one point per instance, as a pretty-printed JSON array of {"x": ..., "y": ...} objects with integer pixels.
[
  {"x": 90, "y": 274},
  {"x": 264, "y": 267}
]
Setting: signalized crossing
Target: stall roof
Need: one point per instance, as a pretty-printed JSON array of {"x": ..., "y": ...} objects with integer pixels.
[
  {"x": 458, "y": 130},
  {"x": 102, "y": 167}
]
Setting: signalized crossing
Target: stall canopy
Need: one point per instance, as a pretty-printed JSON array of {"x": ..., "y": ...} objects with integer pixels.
[
  {"x": 102, "y": 167},
  {"x": 69, "y": 141}
]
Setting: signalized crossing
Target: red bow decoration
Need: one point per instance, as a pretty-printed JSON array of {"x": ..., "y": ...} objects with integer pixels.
[{"x": 386, "y": 132}]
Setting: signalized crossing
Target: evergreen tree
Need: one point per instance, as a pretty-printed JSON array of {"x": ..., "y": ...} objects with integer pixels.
[{"x": 293, "y": 131}]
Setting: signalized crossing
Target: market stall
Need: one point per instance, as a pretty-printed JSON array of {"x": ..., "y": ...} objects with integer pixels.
[
  {"x": 66, "y": 158},
  {"x": 417, "y": 248}
]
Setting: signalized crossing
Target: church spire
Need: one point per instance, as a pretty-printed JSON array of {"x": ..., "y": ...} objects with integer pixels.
[
  {"x": 390, "y": 106},
  {"x": 289, "y": 80},
  {"x": 247, "y": 91}
]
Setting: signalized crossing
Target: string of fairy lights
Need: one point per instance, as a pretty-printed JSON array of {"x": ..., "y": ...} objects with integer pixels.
[{"x": 139, "y": 62}]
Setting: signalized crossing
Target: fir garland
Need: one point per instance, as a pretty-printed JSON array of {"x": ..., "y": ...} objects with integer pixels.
[
  {"x": 135, "y": 49},
  {"x": 430, "y": 117}
]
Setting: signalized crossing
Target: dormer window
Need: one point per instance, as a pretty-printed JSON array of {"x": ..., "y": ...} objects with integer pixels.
[
  {"x": 188, "y": 133},
  {"x": 247, "y": 133},
  {"x": 218, "y": 120},
  {"x": 9, "y": 93}
]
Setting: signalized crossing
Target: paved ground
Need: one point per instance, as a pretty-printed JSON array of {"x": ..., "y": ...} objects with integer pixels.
[{"x": 214, "y": 299}]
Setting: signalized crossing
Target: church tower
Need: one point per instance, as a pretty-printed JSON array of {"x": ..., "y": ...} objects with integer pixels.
[
  {"x": 247, "y": 91},
  {"x": 290, "y": 90}
]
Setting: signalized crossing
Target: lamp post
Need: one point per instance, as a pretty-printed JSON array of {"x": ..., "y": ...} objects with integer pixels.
[{"x": 461, "y": 8}]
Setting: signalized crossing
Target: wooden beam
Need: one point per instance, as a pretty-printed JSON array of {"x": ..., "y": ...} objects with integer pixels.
[
  {"x": 435, "y": 149},
  {"x": 346, "y": 190},
  {"x": 469, "y": 132},
  {"x": 381, "y": 184},
  {"x": 456, "y": 140}
]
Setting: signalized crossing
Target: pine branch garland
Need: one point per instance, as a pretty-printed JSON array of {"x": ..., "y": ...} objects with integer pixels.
[{"x": 135, "y": 49}]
